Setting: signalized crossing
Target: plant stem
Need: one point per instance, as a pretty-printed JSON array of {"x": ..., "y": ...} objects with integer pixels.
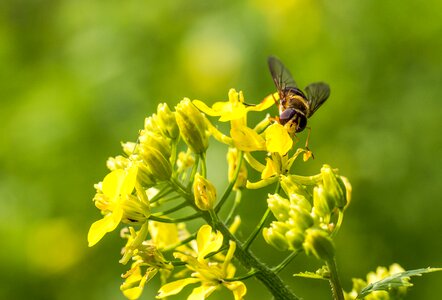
[
  {"x": 334, "y": 280},
  {"x": 263, "y": 273}
]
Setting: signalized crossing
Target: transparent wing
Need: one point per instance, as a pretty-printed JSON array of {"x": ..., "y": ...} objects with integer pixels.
[
  {"x": 316, "y": 93},
  {"x": 281, "y": 76}
]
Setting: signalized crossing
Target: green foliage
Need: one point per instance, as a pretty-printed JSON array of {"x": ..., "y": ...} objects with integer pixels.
[{"x": 394, "y": 281}]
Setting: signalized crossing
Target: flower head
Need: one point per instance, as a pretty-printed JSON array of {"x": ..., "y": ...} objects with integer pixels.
[
  {"x": 115, "y": 189},
  {"x": 211, "y": 274}
]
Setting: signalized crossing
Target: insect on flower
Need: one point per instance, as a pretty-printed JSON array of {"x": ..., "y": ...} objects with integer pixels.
[{"x": 295, "y": 106}]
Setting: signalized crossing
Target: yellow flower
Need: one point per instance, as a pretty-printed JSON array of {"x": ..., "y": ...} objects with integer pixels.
[
  {"x": 277, "y": 139},
  {"x": 233, "y": 109},
  {"x": 209, "y": 273},
  {"x": 116, "y": 187}
]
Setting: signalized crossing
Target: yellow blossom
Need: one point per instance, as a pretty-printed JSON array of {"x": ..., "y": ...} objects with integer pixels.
[
  {"x": 233, "y": 109},
  {"x": 116, "y": 187},
  {"x": 210, "y": 274},
  {"x": 277, "y": 139}
]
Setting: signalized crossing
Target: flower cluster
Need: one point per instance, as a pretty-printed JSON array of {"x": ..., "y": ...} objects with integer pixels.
[
  {"x": 161, "y": 183},
  {"x": 372, "y": 277},
  {"x": 311, "y": 214}
]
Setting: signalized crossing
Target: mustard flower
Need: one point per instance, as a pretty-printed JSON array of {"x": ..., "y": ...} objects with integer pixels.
[
  {"x": 115, "y": 188},
  {"x": 210, "y": 274}
]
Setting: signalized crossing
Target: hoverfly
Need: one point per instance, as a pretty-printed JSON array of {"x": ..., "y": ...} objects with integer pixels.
[{"x": 295, "y": 106}]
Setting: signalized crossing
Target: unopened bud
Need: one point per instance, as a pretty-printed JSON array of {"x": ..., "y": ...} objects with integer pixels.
[
  {"x": 156, "y": 141},
  {"x": 144, "y": 176},
  {"x": 159, "y": 167},
  {"x": 322, "y": 203},
  {"x": 192, "y": 125},
  {"x": 129, "y": 147},
  {"x": 275, "y": 238},
  {"x": 279, "y": 206},
  {"x": 241, "y": 180},
  {"x": 167, "y": 121},
  {"x": 151, "y": 124},
  {"x": 290, "y": 186},
  {"x": 118, "y": 162},
  {"x": 300, "y": 218},
  {"x": 318, "y": 243},
  {"x": 204, "y": 193},
  {"x": 300, "y": 200},
  {"x": 334, "y": 186},
  {"x": 185, "y": 160},
  {"x": 295, "y": 237}
]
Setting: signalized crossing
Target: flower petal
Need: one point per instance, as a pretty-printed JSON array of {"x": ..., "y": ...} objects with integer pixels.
[
  {"x": 246, "y": 139},
  {"x": 175, "y": 287},
  {"x": 129, "y": 180},
  {"x": 205, "y": 109},
  {"x": 208, "y": 241},
  {"x": 112, "y": 183},
  {"x": 266, "y": 103},
  {"x": 269, "y": 170},
  {"x": 202, "y": 292},
  {"x": 278, "y": 139},
  {"x": 99, "y": 228},
  {"x": 238, "y": 288}
]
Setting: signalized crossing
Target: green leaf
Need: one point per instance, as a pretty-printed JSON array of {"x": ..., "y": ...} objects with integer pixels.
[{"x": 394, "y": 281}]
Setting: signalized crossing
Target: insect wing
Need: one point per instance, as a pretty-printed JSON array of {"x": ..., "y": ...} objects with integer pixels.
[
  {"x": 281, "y": 76},
  {"x": 316, "y": 93}
]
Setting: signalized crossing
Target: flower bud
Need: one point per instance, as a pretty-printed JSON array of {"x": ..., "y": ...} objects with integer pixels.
[
  {"x": 290, "y": 186},
  {"x": 151, "y": 124},
  {"x": 134, "y": 211},
  {"x": 295, "y": 237},
  {"x": 334, "y": 186},
  {"x": 167, "y": 121},
  {"x": 192, "y": 125},
  {"x": 144, "y": 176},
  {"x": 118, "y": 162},
  {"x": 318, "y": 243},
  {"x": 241, "y": 180},
  {"x": 348, "y": 189},
  {"x": 279, "y": 206},
  {"x": 204, "y": 193},
  {"x": 275, "y": 238},
  {"x": 157, "y": 141},
  {"x": 159, "y": 167},
  {"x": 322, "y": 203},
  {"x": 300, "y": 218},
  {"x": 185, "y": 160},
  {"x": 129, "y": 147},
  {"x": 300, "y": 200}
]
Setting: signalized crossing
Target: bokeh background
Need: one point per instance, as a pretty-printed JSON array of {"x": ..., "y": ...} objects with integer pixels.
[{"x": 79, "y": 76}]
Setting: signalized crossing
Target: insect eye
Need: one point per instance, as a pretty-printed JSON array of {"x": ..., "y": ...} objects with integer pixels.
[
  {"x": 286, "y": 115},
  {"x": 302, "y": 123}
]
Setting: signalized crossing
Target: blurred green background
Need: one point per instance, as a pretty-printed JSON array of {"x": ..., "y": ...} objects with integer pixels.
[{"x": 77, "y": 77}]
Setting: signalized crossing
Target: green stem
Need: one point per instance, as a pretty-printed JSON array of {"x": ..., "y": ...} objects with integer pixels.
[
  {"x": 194, "y": 170},
  {"x": 183, "y": 242},
  {"x": 164, "y": 220},
  {"x": 257, "y": 229},
  {"x": 261, "y": 223},
  {"x": 229, "y": 188},
  {"x": 243, "y": 277},
  {"x": 263, "y": 273},
  {"x": 334, "y": 280},
  {"x": 171, "y": 210},
  {"x": 203, "y": 165},
  {"x": 234, "y": 207},
  {"x": 285, "y": 262}
]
